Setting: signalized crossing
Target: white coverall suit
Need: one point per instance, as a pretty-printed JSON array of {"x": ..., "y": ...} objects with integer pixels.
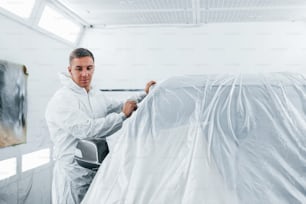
[{"x": 74, "y": 114}]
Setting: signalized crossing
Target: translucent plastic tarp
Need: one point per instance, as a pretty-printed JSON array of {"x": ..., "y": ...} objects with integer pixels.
[
  {"x": 12, "y": 103},
  {"x": 211, "y": 139}
]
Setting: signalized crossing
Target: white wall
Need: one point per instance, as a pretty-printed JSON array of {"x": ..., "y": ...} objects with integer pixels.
[
  {"x": 44, "y": 57},
  {"x": 128, "y": 57}
]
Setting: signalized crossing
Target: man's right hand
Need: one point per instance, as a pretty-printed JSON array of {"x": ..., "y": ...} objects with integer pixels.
[{"x": 128, "y": 108}]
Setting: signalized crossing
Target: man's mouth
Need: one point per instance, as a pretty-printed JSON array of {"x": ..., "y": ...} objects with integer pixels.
[{"x": 85, "y": 81}]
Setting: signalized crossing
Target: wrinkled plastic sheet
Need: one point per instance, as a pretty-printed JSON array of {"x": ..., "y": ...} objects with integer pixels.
[
  {"x": 13, "y": 103},
  {"x": 211, "y": 139}
]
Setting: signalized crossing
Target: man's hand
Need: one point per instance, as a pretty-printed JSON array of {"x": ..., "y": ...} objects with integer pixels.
[
  {"x": 149, "y": 84},
  {"x": 128, "y": 108}
]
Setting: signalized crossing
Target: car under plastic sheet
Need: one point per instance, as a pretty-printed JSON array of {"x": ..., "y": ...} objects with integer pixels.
[{"x": 210, "y": 139}]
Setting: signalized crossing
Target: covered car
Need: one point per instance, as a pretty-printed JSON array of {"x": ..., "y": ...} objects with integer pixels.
[{"x": 211, "y": 139}]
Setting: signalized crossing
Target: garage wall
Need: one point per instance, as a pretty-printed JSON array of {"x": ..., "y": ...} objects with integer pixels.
[{"x": 128, "y": 57}]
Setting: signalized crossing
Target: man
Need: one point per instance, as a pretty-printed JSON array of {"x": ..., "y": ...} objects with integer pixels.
[{"x": 75, "y": 112}]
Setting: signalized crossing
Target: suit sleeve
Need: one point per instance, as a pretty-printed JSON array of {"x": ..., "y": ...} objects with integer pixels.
[{"x": 65, "y": 115}]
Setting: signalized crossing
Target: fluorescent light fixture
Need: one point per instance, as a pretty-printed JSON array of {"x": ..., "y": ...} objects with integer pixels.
[
  {"x": 35, "y": 159},
  {"x": 55, "y": 22},
  {"x": 22, "y": 8},
  {"x": 7, "y": 168}
]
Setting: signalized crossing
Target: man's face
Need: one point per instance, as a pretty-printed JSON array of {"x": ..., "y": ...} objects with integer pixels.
[{"x": 81, "y": 70}]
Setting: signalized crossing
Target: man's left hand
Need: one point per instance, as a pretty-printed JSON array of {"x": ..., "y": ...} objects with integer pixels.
[{"x": 149, "y": 84}]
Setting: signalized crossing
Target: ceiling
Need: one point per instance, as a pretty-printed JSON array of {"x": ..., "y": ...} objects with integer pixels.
[{"x": 103, "y": 13}]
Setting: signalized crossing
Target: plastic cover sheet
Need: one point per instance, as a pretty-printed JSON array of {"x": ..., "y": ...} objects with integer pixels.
[
  {"x": 211, "y": 139},
  {"x": 13, "y": 103}
]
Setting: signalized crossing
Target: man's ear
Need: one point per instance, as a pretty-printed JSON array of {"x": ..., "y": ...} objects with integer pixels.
[{"x": 69, "y": 69}]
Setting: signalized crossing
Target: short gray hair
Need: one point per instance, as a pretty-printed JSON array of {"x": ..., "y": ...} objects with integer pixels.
[{"x": 80, "y": 52}]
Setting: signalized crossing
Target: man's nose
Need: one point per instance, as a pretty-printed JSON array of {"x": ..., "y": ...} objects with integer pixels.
[{"x": 85, "y": 73}]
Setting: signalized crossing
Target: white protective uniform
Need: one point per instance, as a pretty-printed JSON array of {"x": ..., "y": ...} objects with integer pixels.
[{"x": 74, "y": 114}]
